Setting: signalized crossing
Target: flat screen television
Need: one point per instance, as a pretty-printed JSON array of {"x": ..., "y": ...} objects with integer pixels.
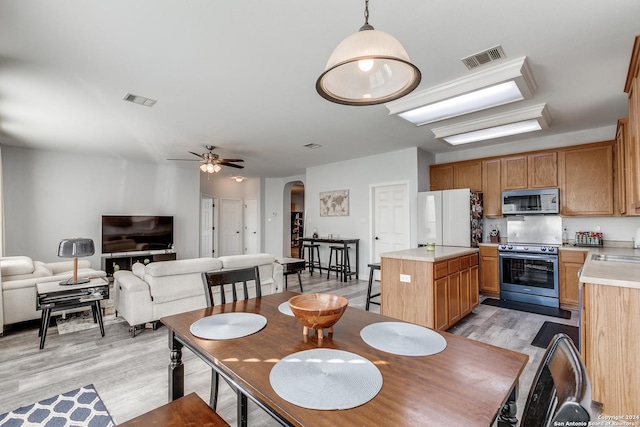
[{"x": 126, "y": 233}]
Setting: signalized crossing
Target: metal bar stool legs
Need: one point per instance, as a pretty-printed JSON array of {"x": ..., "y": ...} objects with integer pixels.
[{"x": 372, "y": 268}]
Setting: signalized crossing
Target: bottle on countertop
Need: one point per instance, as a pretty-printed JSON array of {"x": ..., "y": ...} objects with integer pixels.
[{"x": 565, "y": 236}]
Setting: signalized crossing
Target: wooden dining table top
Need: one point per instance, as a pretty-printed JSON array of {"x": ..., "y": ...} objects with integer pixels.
[{"x": 464, "y": 385}]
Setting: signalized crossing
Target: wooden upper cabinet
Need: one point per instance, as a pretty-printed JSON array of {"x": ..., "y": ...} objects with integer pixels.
[
  {"x": 441, "y": 177},
  {"x": 621, "y": 170},
  {"x": 492, "y": 188},
  {"x": 449, "y": 176},
  {"x": 468, "y": 175},
  {"x": 543, "y": 169},
  {"x": 586, "y": 180},
  {"x": 514, "y": 173},
  {"x": 632, "y": 135}
]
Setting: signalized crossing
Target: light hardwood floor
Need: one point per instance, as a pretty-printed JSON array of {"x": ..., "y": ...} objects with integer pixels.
[{"x": 131, "y": 374}]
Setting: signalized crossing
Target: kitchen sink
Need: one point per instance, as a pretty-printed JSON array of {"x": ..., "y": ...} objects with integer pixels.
[{"x": 616, "y": 258}]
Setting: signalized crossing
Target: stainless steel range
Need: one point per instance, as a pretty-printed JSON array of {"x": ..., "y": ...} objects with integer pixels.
[{"x": 528, "y": 264}]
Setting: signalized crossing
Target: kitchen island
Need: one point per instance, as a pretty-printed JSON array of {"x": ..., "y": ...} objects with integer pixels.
[
  {"x": 610, "y": 328},
  {"x": 433, "y": 288}
]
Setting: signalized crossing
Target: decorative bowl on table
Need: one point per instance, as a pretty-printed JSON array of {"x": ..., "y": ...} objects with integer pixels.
[{"x": 318, "y": 311}]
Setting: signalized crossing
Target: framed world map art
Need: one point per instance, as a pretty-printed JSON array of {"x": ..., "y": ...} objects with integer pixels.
[{"x": 334, "y": 203}]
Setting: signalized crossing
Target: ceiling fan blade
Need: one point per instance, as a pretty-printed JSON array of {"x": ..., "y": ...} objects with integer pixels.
[
  {"x": 196, "y": 154},
  {"x": 232, "y": 165},
  {"x": 231, "y": 160}
]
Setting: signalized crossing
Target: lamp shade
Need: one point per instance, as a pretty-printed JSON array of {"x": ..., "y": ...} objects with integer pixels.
[
  {"x": 367, "y": 68},
  {"x": 71, "y": 248}
]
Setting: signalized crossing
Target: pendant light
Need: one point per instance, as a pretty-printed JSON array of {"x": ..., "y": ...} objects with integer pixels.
[{"x": 367, "y": 68}]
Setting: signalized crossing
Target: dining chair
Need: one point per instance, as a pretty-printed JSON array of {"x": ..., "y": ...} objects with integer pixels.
[
  {"x": 213, "y": 280},
  {"x": 561, "y": 391}
]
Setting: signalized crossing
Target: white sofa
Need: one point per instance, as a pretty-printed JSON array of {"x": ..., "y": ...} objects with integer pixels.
[
  {"x": 18, "y": 278},
  {"x": 147, "y": 293}
]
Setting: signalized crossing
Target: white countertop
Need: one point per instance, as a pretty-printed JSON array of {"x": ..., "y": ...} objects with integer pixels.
[
  {"x": 422, "y": 254},
  {"x": 610, "y": 273}
]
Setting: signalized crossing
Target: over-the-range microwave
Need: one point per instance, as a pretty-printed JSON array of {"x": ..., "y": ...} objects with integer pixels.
[{"x": 530, "y": 202}]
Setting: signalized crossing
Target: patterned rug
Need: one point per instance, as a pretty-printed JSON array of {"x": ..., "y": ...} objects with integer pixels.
[{"x": 77, "y": 408}]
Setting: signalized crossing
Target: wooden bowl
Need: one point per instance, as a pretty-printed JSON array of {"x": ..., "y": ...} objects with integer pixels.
[{"x": 318, "y": 311}]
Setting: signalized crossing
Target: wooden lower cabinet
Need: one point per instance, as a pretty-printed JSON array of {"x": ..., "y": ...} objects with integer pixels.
[
  {"x": 609, "y": 331},
  {"x": 570, "y": 264},
  {"x": 489, "y": 275},
  {"x": 438, "y": 294}
]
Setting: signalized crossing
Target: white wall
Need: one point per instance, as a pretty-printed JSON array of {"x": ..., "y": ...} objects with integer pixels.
[
  {"x": 276, "y": 219},
  {"x": 51, "y": 195},
  {"x": 357, "y": 176}
]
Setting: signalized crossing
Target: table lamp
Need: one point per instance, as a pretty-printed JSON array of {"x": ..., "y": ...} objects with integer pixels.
[{"x": 74, "y": 248}]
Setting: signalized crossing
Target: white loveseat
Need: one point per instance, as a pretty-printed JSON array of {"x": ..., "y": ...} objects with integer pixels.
[
  {"x": 147, "y": 293},
  {"x": 18, "y": 278}
]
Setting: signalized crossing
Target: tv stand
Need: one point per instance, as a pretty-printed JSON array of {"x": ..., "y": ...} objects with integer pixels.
[{"x": 115, "y": 261}]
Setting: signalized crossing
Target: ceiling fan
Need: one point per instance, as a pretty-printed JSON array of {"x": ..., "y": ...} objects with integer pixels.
[{"x": 211, "y": 162}]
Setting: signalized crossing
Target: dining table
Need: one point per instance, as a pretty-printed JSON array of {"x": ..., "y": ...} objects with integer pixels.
[
  {"x": 465, "y": 384},
  {"x": 345, "y": 242}
]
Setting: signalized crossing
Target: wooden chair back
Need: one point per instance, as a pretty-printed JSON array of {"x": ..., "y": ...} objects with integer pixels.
[{"x": 219, "y": 279}]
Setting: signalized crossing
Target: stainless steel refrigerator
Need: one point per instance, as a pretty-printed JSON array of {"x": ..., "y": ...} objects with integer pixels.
[{"x": 450, "y": 218}]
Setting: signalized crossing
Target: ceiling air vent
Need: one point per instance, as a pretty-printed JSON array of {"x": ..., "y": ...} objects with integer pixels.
[
  {"x": 147, "y": 102},
  {"x": 484, "y": 57}
]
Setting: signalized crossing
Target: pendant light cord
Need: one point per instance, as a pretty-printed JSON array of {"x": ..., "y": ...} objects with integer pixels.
[{"x": 366, "y": 25}]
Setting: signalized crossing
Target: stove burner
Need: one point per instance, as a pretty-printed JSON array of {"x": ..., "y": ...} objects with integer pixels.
[{"x": 523, "y": 247}]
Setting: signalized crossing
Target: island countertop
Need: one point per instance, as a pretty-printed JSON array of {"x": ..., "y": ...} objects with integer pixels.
[{"x": 422, "y": 254}]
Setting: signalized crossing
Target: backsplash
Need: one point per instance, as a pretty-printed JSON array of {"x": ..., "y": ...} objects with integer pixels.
[{"x": 622, "y": 229}]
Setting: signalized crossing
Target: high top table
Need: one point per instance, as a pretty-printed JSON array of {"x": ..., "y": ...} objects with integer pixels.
[
  {"x": 466, "y": 384},
  {"x": 345, "y": 242}
]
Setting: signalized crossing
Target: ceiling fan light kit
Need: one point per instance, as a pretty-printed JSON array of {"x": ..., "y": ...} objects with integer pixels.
[
  {"x": 367, "y": 68},
  {"x": 211, "y": 162}
]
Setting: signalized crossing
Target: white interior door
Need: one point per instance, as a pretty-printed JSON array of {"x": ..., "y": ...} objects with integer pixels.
[
  {"x": 206, "y": 227},
  {"x": 251, "y": 226},
  {"x": 231, "y": 227},
  {"x": 390, "y": 219}
]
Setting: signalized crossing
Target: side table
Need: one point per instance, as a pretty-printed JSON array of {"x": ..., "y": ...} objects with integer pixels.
[
  {"x": 52, "y": 297},
  {"x": 292, "y": 266}
]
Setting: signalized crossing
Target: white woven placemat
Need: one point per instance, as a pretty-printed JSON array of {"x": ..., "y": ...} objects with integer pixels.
[
  {"x": 405, "y": 339},
  {"x": 285, "y": 308},
  {"x": 226, "y": 326},
  {"x": 326, "y": 379}
]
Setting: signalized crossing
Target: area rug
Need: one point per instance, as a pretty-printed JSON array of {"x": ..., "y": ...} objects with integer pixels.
[
  {"x": 529, "y": 308},
  {"x": 80, "y": 321},
  {"x": 550, "y": 329},
  {"x": 78, "y": 408}
]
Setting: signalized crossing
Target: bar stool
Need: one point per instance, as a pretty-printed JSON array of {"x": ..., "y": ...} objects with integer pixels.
[
  {"x": 342, "y": 265},
  {"x": 372, "y": 267},
  {"x": 310, "y": 250}
]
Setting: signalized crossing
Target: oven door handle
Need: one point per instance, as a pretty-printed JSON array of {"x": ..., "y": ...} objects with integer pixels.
[{"x": 520, "y": 255}]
